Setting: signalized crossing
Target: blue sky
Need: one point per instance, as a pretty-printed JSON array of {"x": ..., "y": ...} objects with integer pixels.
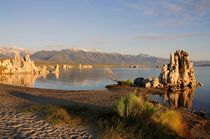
[{"x": 126, "y": 26}]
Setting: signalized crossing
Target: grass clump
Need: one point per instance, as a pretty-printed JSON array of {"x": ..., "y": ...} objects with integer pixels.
[
  {"x": 125, "y": 83},
  {"x": 128, "y": 105},
  {"x": 55, "y": 115},
  {"x": 136, "y": 118},
  {"x": 171, "y": 120}
]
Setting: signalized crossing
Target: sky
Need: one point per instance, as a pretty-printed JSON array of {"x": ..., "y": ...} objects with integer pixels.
[{"x": 154, "y": 27}]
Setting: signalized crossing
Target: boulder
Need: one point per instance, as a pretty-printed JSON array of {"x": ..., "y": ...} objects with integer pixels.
[{"x": 140, "y": 82}]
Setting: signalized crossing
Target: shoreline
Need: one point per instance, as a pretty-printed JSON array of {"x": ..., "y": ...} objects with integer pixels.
[{"x": 13, "y": 99}]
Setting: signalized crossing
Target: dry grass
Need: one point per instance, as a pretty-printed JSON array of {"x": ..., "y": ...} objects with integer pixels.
[
  {"x": 171, "y": 120},
  {"x": 111, "y": 133},
  {"x": 56, "y": 115},
  {"x": 142, "y": 119}
]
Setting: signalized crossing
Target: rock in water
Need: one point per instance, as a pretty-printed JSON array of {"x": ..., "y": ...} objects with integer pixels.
[
  {"x": 179, "y": 72},
  {"x": 57, "y": 69}
]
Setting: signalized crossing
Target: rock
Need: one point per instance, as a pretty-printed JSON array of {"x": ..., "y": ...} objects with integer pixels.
[
  {"x": 20, "y": 65},
  {"x": 179, "y": 72},
  {"x": 147, "y": 85},
  {"x": 56, "y": 69},
  {"x": 155, "y": 82},
  {"x": 172, "y": 88},
  {"x": 176, "y": 75},
  {"x": 65, "y": 67},
  {"x": 140, "y": 82}
]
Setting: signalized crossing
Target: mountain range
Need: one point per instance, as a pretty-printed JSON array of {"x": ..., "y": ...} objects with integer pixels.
[
  {"x": 93, "y": 56},
  {"x": 90, "y": 56}
]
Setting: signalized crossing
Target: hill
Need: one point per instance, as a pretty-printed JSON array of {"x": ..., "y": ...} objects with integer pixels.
[{"x": 92, "y": 56}]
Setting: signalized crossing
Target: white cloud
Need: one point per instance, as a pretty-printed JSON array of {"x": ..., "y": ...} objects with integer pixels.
[{"x": 189, "y": 11}]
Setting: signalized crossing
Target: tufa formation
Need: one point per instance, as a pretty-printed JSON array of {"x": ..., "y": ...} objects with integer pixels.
[
  {"x": 21, "y": 65},
  {"x": 179, "y": 73}
]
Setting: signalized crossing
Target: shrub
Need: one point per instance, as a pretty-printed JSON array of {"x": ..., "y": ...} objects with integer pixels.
[
  {"x": 149, "y": 109},
  {"x": 138, "y": 116},
  {"x": 128, "y": 105}
]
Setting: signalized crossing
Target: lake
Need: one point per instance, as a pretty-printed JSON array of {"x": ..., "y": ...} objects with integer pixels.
[{"x": 98, "y": 78}]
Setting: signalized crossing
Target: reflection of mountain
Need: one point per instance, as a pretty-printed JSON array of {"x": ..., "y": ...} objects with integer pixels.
[
  {"x": 26, "y": 80},
  {"x": 73, "y": 77},
  {"x": 79, "y": 76},
  {"x": 182, "y": 98}
]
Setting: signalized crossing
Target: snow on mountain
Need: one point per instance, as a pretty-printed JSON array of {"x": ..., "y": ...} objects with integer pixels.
[
  {"x": 85, "y": 50},
  {"x": 6, "y": 52}
]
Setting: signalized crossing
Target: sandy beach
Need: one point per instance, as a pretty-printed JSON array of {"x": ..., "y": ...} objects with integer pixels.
[{"x": 15, "y": 123}]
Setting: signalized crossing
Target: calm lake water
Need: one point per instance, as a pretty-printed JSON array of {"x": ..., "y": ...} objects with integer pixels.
[{"x": 98, "y": 78}]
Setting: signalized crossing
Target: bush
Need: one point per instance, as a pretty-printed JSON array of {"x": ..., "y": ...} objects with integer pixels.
[
  {"x": 149, "y": 109},
  {"x": 139, "y": 116},
  {"x": 128, "y": 105}
]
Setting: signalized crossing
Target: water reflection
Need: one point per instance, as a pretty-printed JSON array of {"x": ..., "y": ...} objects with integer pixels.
[
  {"x": 26, "y": 80},
  {"x": 72, "y": 79},
  {"x": 179, "y": 98}
]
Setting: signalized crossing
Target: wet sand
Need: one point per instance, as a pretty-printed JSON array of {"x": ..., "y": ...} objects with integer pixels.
[{"x": 14, "y": 123}]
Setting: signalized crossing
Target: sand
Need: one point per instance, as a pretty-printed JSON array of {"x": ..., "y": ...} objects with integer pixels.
[{"x": 14, "y": 123}]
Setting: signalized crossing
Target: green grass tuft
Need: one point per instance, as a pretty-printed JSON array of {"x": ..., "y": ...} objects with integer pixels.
[
  {"x": 128, "y": 105},
  {"x": 125, "y": 83}
]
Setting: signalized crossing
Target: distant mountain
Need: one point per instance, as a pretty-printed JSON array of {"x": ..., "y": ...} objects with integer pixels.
[
  {"x": 202, "y": 63},
  {"x": 8, "y": 52},
  {"x": 93, "y": 56},
  {"x": 89, "y": 56}
]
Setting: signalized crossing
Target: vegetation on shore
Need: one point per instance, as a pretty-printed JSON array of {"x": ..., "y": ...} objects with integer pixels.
[
  {"x": 137, "y": 118},
  {"x": 131, "y": 117},
  {"x": 125, "y": 83},
  {"x": 56, "y": 115}
]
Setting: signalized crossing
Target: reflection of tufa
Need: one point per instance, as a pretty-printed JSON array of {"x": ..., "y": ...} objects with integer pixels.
[
  {"x": 180, "y": 98},
  {"x": 25, "y": 79},
  {"x": 56, "y": 71}
]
